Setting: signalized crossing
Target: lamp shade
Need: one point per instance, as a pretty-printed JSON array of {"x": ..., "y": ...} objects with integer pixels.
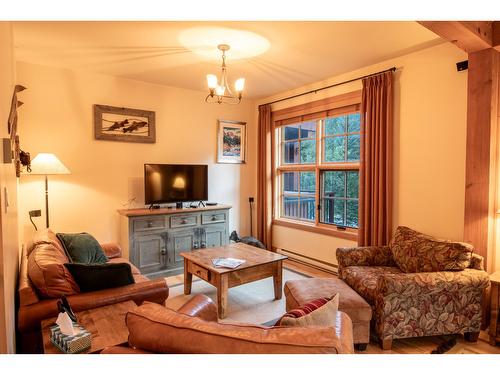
[{"x": 46, "y": 164}]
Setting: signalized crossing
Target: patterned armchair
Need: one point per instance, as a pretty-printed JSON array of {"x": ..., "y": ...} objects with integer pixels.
[{"x": 418, "y": 286}]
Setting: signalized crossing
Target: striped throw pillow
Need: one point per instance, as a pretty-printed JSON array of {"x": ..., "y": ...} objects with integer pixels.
[{"x": 320, "y": 311}]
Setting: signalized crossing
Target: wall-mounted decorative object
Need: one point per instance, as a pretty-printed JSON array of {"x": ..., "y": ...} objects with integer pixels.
[
  {"x": 124, "y": 124},
  {"x": 12, "y": 128},
  {"x": 14, "y": 105},
  {"x": 232, "y": 139}
]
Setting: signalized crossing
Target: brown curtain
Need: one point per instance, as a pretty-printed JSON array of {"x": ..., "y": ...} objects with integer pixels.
[
  {"x": 375, "y": 213},
  {"x": 264, "y": 175}
]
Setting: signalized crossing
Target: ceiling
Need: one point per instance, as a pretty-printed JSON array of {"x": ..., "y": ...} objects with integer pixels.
[{"x": 297, "y": 53}]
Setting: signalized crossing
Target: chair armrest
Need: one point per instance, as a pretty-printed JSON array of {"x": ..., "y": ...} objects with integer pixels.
[
  {"x": 344, "y": 332},
  {"x": 30, "y": 317},
  {"x": 112, "y": 250},
  {"x": 123, "y": 350},
  {"x": 414, "y": 284},
  {"x": 477, "y": 262},
  {"x": 200, "y": 306},
  {"x": 429, "y": 303},
  {"x": 365, "y": 256}
]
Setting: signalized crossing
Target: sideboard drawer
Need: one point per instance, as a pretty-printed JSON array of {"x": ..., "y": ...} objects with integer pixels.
[
  {"x": 219, "y": 217},
  {"x": 149, "y": 223},
  {"x": 183, "y": 221}
]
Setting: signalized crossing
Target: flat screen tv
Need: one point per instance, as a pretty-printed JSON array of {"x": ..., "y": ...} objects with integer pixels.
[{"x": 167, "y": 183}]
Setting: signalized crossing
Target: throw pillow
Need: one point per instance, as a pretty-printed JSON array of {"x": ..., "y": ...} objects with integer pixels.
[
  {"x": 82, "y": 248},
  {"x": 47, "y": 272},
  {"x": 320, "y": 312},
  {"x": 90, "y": 277},
  {"x": 416, "y": 252}
]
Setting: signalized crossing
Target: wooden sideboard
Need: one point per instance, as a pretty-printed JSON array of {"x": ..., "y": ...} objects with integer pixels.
[{"x": 153, "y": 239}]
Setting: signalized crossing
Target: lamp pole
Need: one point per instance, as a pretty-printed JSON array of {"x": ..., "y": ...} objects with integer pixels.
[{"x": 46, "y": 201}]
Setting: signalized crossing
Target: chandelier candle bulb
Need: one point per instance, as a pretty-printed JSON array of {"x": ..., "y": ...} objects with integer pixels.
[
  {"x": 239, "y": 85},
  {"x": 212, "y": 81},
  {"x": 220, "y": 90}
]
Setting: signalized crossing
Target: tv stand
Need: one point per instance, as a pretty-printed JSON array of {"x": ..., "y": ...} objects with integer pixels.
[{"x": 153, "y": 239}]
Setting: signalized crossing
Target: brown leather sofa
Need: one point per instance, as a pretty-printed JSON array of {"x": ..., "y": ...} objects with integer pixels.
[
  {"x": 43, "y": 279},
  {"x": 194, "y": 329}
]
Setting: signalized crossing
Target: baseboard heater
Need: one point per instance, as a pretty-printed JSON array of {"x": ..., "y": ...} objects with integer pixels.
[{"x": 308, "y": 261}]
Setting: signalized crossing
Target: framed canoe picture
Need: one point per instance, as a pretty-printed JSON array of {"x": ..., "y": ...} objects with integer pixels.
[
  {"x": 124, "y": 124},
  {"x": 231, "y": 142}
]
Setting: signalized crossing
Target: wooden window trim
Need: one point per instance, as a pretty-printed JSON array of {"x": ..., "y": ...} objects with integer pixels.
[
  {"x": 333, "y": 104},
  {"x": 325, "y": 229},
  {"x": 329, "y": 107}
]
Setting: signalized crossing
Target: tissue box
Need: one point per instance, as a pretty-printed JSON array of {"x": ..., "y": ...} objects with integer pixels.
[{"x": 70, "y": 344}]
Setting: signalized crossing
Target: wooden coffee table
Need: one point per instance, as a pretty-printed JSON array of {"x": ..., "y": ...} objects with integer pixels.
[
  {"x": 106, "y": 325},
  {"x": 259, "y": 264}
]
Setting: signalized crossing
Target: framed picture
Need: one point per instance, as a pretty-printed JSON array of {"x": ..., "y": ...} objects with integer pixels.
[
  {"x": 124, "y": 124},
  {"x": 231, "y": 142}
]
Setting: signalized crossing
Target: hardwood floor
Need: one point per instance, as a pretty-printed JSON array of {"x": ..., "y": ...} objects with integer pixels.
[{"x": 421, "y": 345}]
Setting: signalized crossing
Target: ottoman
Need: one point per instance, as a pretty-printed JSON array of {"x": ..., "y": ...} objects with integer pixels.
[{"x": 299, "y": 292}]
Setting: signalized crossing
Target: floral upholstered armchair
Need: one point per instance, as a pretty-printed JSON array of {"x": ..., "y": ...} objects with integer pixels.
[{"x": 418, "y": 286}]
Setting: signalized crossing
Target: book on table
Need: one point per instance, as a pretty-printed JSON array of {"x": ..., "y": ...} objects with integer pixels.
[{"x": 227, "y": 262}]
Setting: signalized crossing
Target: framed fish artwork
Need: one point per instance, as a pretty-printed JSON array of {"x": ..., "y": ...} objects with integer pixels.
[{"x": 124, "y": 124}]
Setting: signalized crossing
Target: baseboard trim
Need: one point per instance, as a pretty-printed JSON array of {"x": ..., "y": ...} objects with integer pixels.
[{"x": 308, "y": 261}]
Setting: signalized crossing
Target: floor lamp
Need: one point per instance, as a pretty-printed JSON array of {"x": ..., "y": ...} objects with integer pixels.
[{"x": 47, "y": 164}]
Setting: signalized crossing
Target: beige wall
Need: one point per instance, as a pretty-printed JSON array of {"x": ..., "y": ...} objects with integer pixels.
[
  {"x": 9, "y": 249},
  {"x": 57, "y": 118},
  {"x": 429, "y": 144}
]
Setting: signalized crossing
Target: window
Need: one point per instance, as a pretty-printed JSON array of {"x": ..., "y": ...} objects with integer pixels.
[
  {"x": 317, "y": 170},
  {"x": 299, "y": 195}
]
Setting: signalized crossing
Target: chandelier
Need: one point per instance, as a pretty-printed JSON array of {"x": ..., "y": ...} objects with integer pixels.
[{"x": 220, "y": 91}]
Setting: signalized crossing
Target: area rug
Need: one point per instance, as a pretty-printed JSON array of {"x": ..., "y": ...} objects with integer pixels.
[{"x": 249, "y": 303}]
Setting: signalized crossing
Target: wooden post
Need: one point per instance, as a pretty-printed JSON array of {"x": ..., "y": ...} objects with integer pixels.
[
  {"x": 188, "y": 277},
  {"x": 222, "y": 290},
  {"x": 278, "y": 280},
  {"x": 480, "y": 174}
]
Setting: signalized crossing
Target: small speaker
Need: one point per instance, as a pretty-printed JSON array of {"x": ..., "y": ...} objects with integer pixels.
[
  {"x": 462, "y": 65},
  {"x": 7, "y": 150}
]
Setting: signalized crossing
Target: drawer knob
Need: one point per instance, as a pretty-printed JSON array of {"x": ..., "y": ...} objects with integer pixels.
[
  {"x": 150, "y": 224},
  {"x": 214, "y": 218},
  {"x": 183, "y": 221}
]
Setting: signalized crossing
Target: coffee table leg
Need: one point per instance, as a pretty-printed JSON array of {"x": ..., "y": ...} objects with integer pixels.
[
  {"x": 188, "y": 278},
  {"x": 222, "y": 287},
  {"x": 278, "y": 280}
]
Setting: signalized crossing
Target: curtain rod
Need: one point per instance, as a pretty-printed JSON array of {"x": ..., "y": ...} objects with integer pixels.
[{"x": 330, "y": 86}]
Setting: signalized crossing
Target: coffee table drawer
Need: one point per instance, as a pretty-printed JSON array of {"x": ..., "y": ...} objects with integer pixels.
[
  {"x": 213, "y": 218},
  {"x": 183, "y": 221},
  {"x": 201, "y": 272}
]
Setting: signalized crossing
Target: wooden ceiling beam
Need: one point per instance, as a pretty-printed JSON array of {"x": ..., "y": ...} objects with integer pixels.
[
  {"x": 496, "y": 35},
  {"x": 470, "y": 36}
]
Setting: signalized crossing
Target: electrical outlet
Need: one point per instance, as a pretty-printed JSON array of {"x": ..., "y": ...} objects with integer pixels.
[
  {"x": 35, "y": 213},
  {"x": 250, "y": 199}
]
